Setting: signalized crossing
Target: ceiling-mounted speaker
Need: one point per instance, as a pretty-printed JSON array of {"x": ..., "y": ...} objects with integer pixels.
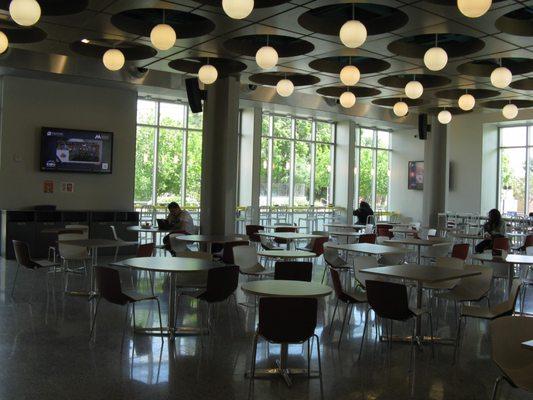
[
  {"x": 423, "y": 127},
  {"x": 194, "y": 94}
]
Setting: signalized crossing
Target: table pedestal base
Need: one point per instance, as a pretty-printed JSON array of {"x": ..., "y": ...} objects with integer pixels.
[
  {"x": 285, "y": 373},
  {"x": 172, "y": 332}
]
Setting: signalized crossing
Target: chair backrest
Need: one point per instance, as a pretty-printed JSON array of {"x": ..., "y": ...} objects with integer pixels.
[
  {"x": 439, "y": 249},
  {"x": 432, "y": 232},
  {"x": 68, "y": 251},
  {"x": 529, "y": 250},
  {"x": 227, "y": 250},
  {"x": 369, "y": 228},
  {"x": 508, "y": 306},
  {"x": 368, "y": 238},
  {"x": 201, "y": 255},
  {"x": 528, "y": 241},
  {"x": 362, "y": 262},
  {"x": 474, "y": 287},
  {"x": 284, "y": 229},
  {"x": 22, "y": 254},
  {"x": 332, "y": 258},
  {"x": 145, "y": 250},
  {"x": 245, "y": 257},
  {"x": 109, "y": 286},
  {"x": 83, "y": 228},
  {"x": 388, "y": 300},
  {"x": 337, "y": 284},
  {"x": 221, "y": 283},
  {"x": 287, "y": 319},
  {"x": 501, "y": 243},
  {"x": 293, "y": 271},
  {"x": 384, "y": 230},
  {"x": 450, "y": 262},
  {"x": 177, "y": 245},
  {"x": 318, "y": 245},
  {"x": 114, "y": 232},
  {"x": 460, "y": 250},
  {"x": 251, "y": 231}
]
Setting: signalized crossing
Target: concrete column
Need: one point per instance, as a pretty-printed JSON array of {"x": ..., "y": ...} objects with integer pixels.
[
  {"x": 435, "y": 173},
  {"x": 219, "y": 157},
  {"x": 344, "y": 169}
]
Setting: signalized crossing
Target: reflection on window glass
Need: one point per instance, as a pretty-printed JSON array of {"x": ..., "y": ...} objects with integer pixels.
[
  {"x": 323, "y": 174},
  {"x": 324, "y": 132},
  {"x": 366, "y": 137},
  {"x": 281, "y": 170},
  {"x": 366, "y": 163},
  {"x": 263, "y": 176},
  {"x": 304, "y": 129},
  {"x": 302, "y": 173},
  {"x": 194, "y": 169},
  {"x": 147, "y": 112},
  {"x": 144, "y": 163},
  {"x": 513, "y": 136},
  {"x": 383, "y": 139},
  {"x": 170, "y": 161},
  {"x": 282, "y": 127},
  {"x": 512, "y": 180},
  {"x": 172, "y": 114}
]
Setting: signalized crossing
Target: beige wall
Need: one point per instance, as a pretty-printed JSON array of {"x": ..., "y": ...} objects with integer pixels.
[{"x": 29, "y": 104}]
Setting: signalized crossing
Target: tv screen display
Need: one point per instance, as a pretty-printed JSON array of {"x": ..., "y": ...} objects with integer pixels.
[
  {"x": 416, "y": 175},
  {"x": 72, "y": 150}
]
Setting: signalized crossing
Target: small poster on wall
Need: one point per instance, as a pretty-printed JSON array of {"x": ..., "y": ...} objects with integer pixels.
[
  {"x": 67, "y": 187},
  {"x": 415, "y": 178},
  {"x": 48, "y": 186}
]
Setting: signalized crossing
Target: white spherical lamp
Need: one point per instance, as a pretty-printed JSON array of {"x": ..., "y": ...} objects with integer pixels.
[
  {"x": 467, "y": 102},
  {"x": 207, "y": 74},
  {"x": 501, "y": 77},
  {"x": 473, "y": 8},
  {"x": 113, "y": 59},
  {"x": 347, "y": 99},
  {"x": 25, "y": 12},
  {"x": 444, "y": 117},
  {"x": 163, "y": 36},
  {"x": 285, "y": 87},
  {"x": 414, "y": 89},
  {"x": 353, "y": 34},
  {"x": 238, "y": 9},
  {"x": 400, "y": 109},
  {"x": 510, "y": 111},
  {"x": 266, "y": 57},
  {"x": 350, "y": 75},
  {"x": 435, "y": 58},
  {"x": 4, "y": 42}
]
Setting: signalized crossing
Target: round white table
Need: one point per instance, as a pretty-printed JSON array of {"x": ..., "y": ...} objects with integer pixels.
[
  {"x": 286, "y": 254},
  {"x": 208, "y": 240},
  {"x": 154, "y": 230}
]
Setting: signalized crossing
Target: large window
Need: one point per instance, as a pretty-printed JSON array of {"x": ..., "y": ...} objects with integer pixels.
[
  {"x": 296, "y": 161},
  {"x": 168, "y": 154},
  {"x": 372, "y": 174},
  {"x": 515, "y": 189}
]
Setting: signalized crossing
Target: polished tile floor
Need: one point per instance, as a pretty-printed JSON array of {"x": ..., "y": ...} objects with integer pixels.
[{"x": 45, "y": 354}]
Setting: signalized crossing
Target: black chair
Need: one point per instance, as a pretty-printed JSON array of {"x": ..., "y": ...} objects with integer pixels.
[
  {"x": 110, "y": 288},
  {"x": 287, "y": 320},
  {"x": 390, "y": 301},
  {"x": 227, "y": 250},
  {"x": 293, "y": 271}
]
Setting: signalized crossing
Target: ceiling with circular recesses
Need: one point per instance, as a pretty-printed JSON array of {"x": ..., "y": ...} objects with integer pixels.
[
  {"x": 485, "y": 67},
  {"x": 272, "y": 78},
  {"x": 257, "y": 3},
  {"x": 359, "y": 91},
  {"x": 286, "y": 46},
  {"x": 333, "y": 65},
  {"x": 55, "y": 7},
  {"x": 517, "y": 22},
  {"x": 523, "y": 84},
  {"x": 97, "y": 48},
  {"x": 452, "y": 110},
  {"x": 21, "y": 34},
  {"x": 427, "y": 80},
  {"x": 391, "y": 101},
  {"x": 224, "y": 66},
  {"x": 454, "y": 94},
  {"x": 141, "y": 21},
  {"x": 452, "y": 2},
  {"x": 499, "y": 104},
  {"x": 455, "y": 44}
]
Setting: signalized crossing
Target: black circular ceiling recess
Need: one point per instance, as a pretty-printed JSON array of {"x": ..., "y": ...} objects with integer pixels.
[
  {"x": 55, "y": 7},
  {"x": 456, "y": 45},
  {"x": 329, "y": 19},
  {"x": 427, "y": 80},
  {"x": 452, "y": 110},
  {"x": 141, "y": 21},
  {"x": 391, "y": 101},
  {"x": 257, "y": 3},
  {"x": 523, "y": 84},
  {"x": 333, "y": 65},
  {"x": 517, "y": 22},
  {"x": 224, "y": 66},
  {"x": 454, "y": 94},
  {"x": 499, "y": 104},
  {"x": 272, "y": 78},
  {"x": 97, "y": 48},
  {"x": 286, "y": 46},
  {"x": 359, "y": 91},
  {"x": 452, "y": 2},
  {"x": 518, "y": 66},
  {"x": 21, "y": 34}
]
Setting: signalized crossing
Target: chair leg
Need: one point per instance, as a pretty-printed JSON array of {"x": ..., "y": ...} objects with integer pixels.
[
  {"x": 457, "y": 340},
  {"x": 364, "y": 333},
  {"x": 124, "y": 327},
  {"x": 496, "y": 386},
  {"x": 324, "y": 274},
  {"x": 432, "y": 337},
  {"x": 412, "y": 354},
  {"x": 308, "y": 358},
  {"x": 116, "y": 254},
  {"x": 94, "y": 318},
  {"x": 343, "y": 324},
  {"x": 160, "y": 323},
  {"x": 254, "y": 355},
  {"x": 318, "y": 357},
  {"x": 333, "y": 316},
  {"x": 15, "y": 280}
]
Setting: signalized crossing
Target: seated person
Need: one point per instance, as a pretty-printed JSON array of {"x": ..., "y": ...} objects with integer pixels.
[
  {"x": 180, "y": 221},
  {"x": 363, "y": 212},
  {"x": 493, "y": 228}
]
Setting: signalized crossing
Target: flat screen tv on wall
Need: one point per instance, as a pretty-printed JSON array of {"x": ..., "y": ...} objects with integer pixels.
[
  {"x": 73, "y": 150},
  {"x": 415, "y": 175}
]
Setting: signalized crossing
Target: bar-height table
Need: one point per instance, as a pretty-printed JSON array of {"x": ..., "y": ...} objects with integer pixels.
[
  {"x": 282, "y": 288},
  {"x": 421, "y": 274},
  {"x": 511, "y": 260}
]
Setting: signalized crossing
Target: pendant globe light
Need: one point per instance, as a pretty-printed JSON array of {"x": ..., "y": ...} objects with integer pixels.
[
  {"x": 510, "y": 111},
  {"x": 4, "y": 42},
  {"x": 467, "y": 102},
  {"x": 266, "y": 57},
  {"x": 353, "y": 33},
  {"x": 444, "y": 117},
  {"x": 113, "y": 59},
  {"x": 414, "y": 89},
  {"x": 350, "y": 75},
  {"x": 163, "y": 36},
  {"x": 436, "y": 57},
  {"x": 473, "y": 8},
  {"x": 285, "y": 87},
  {"x": 207, "y": 74},
  {"x": 25, "y": 12},
  {"x": 400, "y": 109},
  {"x": 238, "y": 9},
  {"x": 501, "y": 77},
  {"x": 347, "y": 99}
]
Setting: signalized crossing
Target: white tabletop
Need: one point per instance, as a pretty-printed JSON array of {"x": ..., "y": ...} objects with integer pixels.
[
  {"x": 167, "y": 264},
  {"x": 468, "y": 236},
  {"x": 283, "y": 226},
  {"x": 348, "y": 233},
  {"x": 528, "y": 345},
  {"x": 403, "y": 230},
  {"x": 510, "y": 258},
  {"x": 414, "y": 241},
  {"x": 281, "y": 288},
  {"x": 367, "y": 248},
  {"x": 348, "y": 226},
  {"x": 210, "y": 238},
  {"x": 420, "y": 273},
  {"x": 97, "y": 243},
  {"x": 286, "y": 253},
  {"x": 289, "y": 235},
  {"x": 152, "y": 229}
]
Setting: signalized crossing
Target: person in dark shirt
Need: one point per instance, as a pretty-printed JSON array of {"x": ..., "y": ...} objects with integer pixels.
[
  {"x": 363, "y": 212},
  {"x": 492, "y": 229}
]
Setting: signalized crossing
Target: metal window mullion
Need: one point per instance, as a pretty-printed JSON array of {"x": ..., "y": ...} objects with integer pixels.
[
  {"x": 292, "y": 163},
  {"x": 156, "y": 159},
  {"x": 313, "y": 164},
  {"x": 332, "y": 165},
  {"x": 526, "y": 183},
  {"x": 184, "y": 146},
  {"x": 269, "y": 169},
  {"x": 375, "y": 169},
  {"x": 498, "y": 173}
]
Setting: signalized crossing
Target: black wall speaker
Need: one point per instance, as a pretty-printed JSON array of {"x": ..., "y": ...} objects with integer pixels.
[
  {"x": 423, "y": 127},
  {"x": 194, "y": 94}
]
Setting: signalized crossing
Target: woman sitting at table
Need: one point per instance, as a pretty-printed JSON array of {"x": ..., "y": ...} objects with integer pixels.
[
  {"x": 363, "y": 212},
  {"x": 493, "y": 228}
]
